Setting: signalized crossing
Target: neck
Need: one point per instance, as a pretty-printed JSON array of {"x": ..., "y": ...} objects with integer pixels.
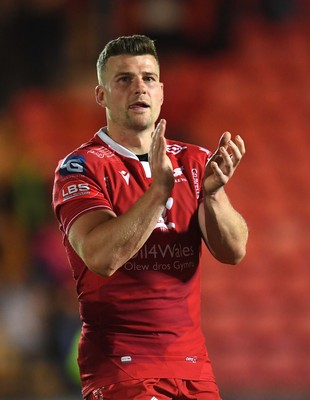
[{"x": 136, "y": 142}]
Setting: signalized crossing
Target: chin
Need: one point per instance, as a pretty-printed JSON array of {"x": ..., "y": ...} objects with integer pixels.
[{"x": 140, "y": 125}]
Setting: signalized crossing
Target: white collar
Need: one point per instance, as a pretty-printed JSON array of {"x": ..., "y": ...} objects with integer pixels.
[{"x": 114, "y": 145}]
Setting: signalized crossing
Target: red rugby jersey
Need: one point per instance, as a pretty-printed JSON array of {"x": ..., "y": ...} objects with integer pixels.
[{"x": 144, "y": 320}]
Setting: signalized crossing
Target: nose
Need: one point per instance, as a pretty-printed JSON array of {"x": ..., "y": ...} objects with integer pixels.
[{"x": 140, "y": 87}]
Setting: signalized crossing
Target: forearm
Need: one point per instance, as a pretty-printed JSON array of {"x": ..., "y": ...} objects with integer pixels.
[
  {"x": 105, "y": 241},
  {"x": 112, "y": 243},
  {"x": 225, "y": 228}
]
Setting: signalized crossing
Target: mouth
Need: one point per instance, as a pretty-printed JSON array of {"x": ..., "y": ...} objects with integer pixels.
[{"x": 139, "y": 105}]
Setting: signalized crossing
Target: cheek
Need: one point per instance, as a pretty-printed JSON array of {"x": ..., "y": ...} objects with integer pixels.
[
  {"x": 160, "y": 100},
  {"x": 114, "y": 102},
  {"x": 157, "y": 94}
]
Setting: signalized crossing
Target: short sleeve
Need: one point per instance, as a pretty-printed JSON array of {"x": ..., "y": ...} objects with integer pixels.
[{"x": 76, "y": 194}]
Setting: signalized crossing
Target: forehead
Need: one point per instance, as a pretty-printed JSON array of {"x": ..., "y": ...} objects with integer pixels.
[{"x": 131, "y": 63}]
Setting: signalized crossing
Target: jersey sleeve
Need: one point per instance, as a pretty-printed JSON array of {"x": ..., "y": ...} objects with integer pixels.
[{"x": 77, "y": 191}]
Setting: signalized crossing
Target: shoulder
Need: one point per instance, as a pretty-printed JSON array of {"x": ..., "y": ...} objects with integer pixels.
[
  {"x": 181, "y": 149},
  {"x": 86, "y": 157}
]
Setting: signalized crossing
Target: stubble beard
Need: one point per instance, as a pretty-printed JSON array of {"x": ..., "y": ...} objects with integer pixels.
[{"x": 139, "y": 124}]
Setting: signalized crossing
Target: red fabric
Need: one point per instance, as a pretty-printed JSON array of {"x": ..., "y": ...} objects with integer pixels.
[
  {"x": 157, "y": 389},
  {"x": 143, "y": 321}
]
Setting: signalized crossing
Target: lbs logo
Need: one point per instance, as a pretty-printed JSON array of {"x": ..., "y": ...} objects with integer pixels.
[{"x": 73, "y": 190}]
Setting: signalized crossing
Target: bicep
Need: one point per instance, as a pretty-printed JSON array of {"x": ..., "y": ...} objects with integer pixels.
[
  {"x": 81, "y": 228},
  {"x": 202, "y": 223}
]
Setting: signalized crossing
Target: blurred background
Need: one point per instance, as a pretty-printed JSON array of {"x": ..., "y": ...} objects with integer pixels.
[{"x": 237, "y": 65}]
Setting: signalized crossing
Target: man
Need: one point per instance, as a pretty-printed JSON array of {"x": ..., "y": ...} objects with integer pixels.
[{"x": 133, "y": 208}]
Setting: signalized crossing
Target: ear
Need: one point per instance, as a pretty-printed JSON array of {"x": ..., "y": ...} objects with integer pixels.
[
  {"x": 100, "y": 96},
  {"x": 162, "y": 92}
]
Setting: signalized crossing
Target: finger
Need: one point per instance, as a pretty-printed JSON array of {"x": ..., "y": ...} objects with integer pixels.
[
  {"x": 223, "y": 142},
  {"x": 224, "y": 139},
  {"x": 158, "y": 145},
  {"x": 218, "y": 172},
  {"x": 155, "y": 137},
  {"x": 237, "y": 149},
  {"x": 228, "y": 162},
  {"x": 160, "y": 128},
  {"x": 225, "y": 153},
  {"x": 240, "y": 144},
  {"x": 235, "y": 152},
  {"x": 159, "y": 131}
]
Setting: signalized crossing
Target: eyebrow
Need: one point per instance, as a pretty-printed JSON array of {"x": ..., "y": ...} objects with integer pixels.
[{"x": 144, "y": 73}]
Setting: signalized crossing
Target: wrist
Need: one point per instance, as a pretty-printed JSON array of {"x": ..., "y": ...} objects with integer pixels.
[
  {"x": 214, "y": 196},
  {"x": 160, "y": 193}
]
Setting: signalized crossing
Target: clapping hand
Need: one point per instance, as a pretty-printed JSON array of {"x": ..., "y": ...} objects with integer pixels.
[{"x": 223, "y": 163}]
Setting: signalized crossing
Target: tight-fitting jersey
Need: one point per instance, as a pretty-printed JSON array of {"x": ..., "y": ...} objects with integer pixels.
[{"x": 144, "y": 320}]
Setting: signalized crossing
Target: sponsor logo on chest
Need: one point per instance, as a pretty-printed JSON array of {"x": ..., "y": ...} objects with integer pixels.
[
  {"x": 125, "y": 175},
  {"x": 178, "y": 175}
]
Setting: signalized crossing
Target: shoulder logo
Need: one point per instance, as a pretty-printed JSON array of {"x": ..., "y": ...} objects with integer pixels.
[
  {"x": 71, "y": 190},
  {"x": 72, "y": 165},
  {"x": 125, "y": 175},
  {"x": 175, "y": 148},
  {"x": 101, "y": 152}
]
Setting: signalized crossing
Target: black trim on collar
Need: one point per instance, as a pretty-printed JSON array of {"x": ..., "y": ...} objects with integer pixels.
[{"x": 143, "y": 157}]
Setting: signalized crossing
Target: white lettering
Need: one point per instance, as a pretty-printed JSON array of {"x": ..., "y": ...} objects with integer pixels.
[
  {"x": 196, "y": 181},
  {"x": 126, "y": 359},
  {"x": 72, "y": 189}
]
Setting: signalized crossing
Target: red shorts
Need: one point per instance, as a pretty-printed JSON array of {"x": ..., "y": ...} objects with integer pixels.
[{"x": 157, "y": 389}]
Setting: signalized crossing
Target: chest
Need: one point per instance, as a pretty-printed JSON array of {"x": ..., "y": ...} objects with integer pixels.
[{"x": 125, "y": 182}]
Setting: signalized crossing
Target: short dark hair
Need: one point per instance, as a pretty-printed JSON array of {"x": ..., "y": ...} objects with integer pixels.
[{"x": 132, "y": 45}]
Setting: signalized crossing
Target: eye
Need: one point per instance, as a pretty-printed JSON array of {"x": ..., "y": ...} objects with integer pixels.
[
  {"x": 149, "y": 78},
  {"x": 124, "y": 79}
]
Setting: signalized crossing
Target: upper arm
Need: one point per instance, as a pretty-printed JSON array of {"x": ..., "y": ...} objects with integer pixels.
[
  {"x": 202, "y": 223},
  {"x": 82, "y": 227}
]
